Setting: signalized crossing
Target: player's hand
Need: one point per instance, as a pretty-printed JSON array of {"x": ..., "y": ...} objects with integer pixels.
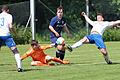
[
  {"x": 83, "y": 13},
  {"x": 57, "y": 35},
  {"x": 53, "y": 44}
]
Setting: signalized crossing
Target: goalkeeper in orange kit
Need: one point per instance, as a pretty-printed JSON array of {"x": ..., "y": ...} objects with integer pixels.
[{"x": 39, "y": 57}]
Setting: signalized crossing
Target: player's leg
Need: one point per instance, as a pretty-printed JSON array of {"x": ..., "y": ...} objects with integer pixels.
[
  {"x": 53, "y": 40},
  {"x": 79, "y": 43},
  {"x": 38, "y": 63},
  {"x": 60, "y": 61},
  {"x": 101, "y": 46},
  {"x": 61, "y": 51},
  {"x": 11, "y": 44},
  {"x": 49, "y": 58},
  {"x": 57, "y": 54},
  {"x": 105, "y": 55},
  {"x": 61, "y": 47}
]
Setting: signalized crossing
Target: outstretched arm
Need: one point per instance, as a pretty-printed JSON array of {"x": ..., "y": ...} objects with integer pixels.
[
  {"x": 24, "y": 56},
  {"x": 47, "y": 46},
  {"x": 87, "y": 18},
  {"x": 114, "y": 22},
  {"x": 27, "y": 54}
]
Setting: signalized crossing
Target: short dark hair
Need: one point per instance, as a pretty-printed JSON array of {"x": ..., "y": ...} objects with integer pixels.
[
  {"x": 34, "y": 42},
  {"x": 99, "y": 14},
  {"x": 60, "y": 7},
  {"x": 5, "y": 8}
]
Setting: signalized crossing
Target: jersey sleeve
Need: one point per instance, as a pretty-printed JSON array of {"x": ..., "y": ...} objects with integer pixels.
[
  {"x": 53, "y": 21},
  {"x": 109, "y": 24}
]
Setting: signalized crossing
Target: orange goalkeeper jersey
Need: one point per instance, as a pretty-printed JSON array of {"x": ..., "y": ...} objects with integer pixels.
[{"x": 37, "y": 55}]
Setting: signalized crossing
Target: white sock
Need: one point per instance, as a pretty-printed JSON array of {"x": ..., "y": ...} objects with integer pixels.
[
  {"x": 77, "y": 44},
  {"x": 18, "y": 60}
]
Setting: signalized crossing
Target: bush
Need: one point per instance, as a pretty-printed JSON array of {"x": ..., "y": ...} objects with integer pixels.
[
  {"x": 77, "y": 35},
  {"x": 23, "y": 35},
  {"x": 43, "y": 38},
  {"x": 112, "y": 34}
]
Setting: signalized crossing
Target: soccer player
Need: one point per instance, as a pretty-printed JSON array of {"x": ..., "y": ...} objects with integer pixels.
[
  {"x": 56, "y": 25},
  {"x": 5, "y": 27},
  {"x": 39, "y": 57},
  {"x": 95, "y": 37}
]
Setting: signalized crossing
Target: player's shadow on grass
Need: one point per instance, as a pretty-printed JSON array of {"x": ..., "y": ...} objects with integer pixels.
[
  {"x": 5, "y": 64},
  {"x": 26, "y": 70},
  {"x": 115, "y": 63},
  {"x": 99, "y": 63}
]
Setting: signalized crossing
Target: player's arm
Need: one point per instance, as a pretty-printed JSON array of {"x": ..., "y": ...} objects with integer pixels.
[
  {"x": 87, "y": 18},
  {"x": 66, "y": 29},
  {"x": 53, "y": 30},
  {"x": 27, "y": 54},
  {"x": 11, "y": 26},
  {"x": 13, "y": 30},
  {"x": 114, "y": 23},
  {"x": 24, "y": 56},
  {"x": 48, "y": 46}
]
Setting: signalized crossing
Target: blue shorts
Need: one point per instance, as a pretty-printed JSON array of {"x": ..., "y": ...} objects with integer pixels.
[
  {"x": 97, "y": 39},
  {"x": 8, "y": 40},
  {"x": 53, "y": 40}
]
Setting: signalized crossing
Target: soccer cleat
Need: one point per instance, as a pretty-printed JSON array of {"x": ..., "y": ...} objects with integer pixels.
[
  {"x": 69, "y": 48},
  {"x": 110, "y": 62},
  {"x": 20, "y": 70}
]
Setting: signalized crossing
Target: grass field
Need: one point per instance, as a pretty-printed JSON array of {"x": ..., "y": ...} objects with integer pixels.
[{"x": 86, "y": 64}]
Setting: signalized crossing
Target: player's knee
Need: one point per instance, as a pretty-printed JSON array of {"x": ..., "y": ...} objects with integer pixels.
[
  {"x": 103, "y": 51},
  {"x": 48, "y": 58},
  {"x": 85, "y": 39},
  {"x": 33, "y": 63},
  {"x": 14, "y": 50},
  {"x": 60, "y": 47}
]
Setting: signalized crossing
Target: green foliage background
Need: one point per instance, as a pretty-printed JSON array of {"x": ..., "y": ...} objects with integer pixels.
[
  {"x": 24, "y": 35},
  {"x": 72, "y": 10}
]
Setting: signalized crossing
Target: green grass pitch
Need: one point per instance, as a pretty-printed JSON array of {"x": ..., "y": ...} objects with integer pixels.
[{"x": 87, "y": 63}]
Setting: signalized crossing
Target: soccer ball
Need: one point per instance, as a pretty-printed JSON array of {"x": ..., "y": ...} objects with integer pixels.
[{"x": 60, "y": 40}]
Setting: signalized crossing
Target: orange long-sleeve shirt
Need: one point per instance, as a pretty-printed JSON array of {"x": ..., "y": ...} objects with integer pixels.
[{"x": 37, "y": 55}]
